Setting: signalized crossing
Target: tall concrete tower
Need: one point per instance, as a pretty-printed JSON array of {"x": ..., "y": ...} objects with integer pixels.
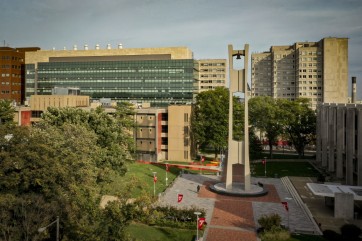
[{"x": 238, "y": 151}]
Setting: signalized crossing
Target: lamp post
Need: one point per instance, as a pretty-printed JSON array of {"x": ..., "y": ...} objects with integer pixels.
[
  {"x": 166, "y": 173},
  {"x": 154, "y": 183},
  {"x": 42, "y": 229},
  {"x": 197, "y": 224},
  {"x": 287, "y": 209}
]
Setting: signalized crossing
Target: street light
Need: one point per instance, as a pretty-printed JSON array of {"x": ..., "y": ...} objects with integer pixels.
[
  {"x": 197, "y": 224},
  {"x": 42, "y": 229},
  {"x": 166, "y": 173},
  {"x": 154, "y": 183},
  {"x": 287, "y": 209}
]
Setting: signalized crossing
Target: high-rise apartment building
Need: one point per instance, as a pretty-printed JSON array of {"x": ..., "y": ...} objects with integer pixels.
[
  {"x": 160, "y": 76},
  {"x": 209, "y": 74},
  {"x": 12, "y": 73},
  {"x": 314, "y": 70}
]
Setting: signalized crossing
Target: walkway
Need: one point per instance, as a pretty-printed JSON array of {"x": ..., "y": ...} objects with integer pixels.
[{"x": 235, "y": 218}]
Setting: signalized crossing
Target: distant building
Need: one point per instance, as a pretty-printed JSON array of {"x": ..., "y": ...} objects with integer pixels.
[
  {"x": 314, "y": 70},
  {"x": 12, "y": 67},
  {"x": 339, "y": 141},
  {"x": 209, "y": 74},
  {"x": 160, "y": 76},
  {"x": 161, "y": 134},
  {"x": 164, "y": 133}
]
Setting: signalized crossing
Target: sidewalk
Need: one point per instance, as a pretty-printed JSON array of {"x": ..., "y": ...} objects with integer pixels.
[{"x": 234, "y": 218}]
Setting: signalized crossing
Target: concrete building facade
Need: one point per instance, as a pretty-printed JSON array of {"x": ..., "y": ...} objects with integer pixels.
[
  {"x": 339, "y": 141},
  {"x": 209, "y": 74},
  {"x": 160, "y": 76},
  {"x": 314, "y": 70},
  {"x": 163, "y": 133},
  {"x": 12, "y": 79}
]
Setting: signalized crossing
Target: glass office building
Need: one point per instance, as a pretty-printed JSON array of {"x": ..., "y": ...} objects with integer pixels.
[
  {"x": 159, "y": 82},
  {"x": 155, "y": 78}
]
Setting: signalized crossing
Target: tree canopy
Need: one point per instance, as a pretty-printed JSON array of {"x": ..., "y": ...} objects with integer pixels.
[
  {"x": 301, "y": 124},
  {"x": 277, "y": 117},
  {"x": 209, "y": 121},
  {"x": 55, "y": 169},
  {"x": 210, "y": 118},
  {"x": 6, "y": 112}
]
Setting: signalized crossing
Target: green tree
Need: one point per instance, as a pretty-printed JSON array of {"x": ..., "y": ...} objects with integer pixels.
[
  {"x": 300, "y": 123},
  {"x": 58, "y": 167},
  {"x": 210, "y": 118},
  {"x": 209, "y": 121},
  {"x": 266, "y": 114},
  {"x": 113, "y": 131},
  {"x": 6, "y": 112}
]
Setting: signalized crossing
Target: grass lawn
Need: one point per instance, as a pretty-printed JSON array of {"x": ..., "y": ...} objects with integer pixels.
[
  {"x": 285, "y": 168},
  {"x": 140, "y": 176},
  {"x": 143, "y": 232}
]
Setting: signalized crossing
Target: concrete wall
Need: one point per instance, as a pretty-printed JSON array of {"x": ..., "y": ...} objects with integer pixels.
[
  {"x": 339, "y": 141},
  {"x": 42, "y": 102},
  {"x": 343, "y": 205},
  {"x": 335, "y": 70},
  {"x": 179, "y": 141},
  {"x": 44, "y": 55}
]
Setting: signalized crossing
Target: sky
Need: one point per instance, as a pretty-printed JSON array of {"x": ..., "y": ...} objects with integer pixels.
[{"x": 206, "y": 27}]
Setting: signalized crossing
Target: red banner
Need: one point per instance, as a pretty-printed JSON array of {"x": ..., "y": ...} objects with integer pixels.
[
  {"x": 154, "y": 179},
  {"x": 167, "y": 168},
  {"x": 263, "y": 161},
  {"x": 285, "y": 204},
  {"x": 179, "y": 197},
  {"x": 202, "y": 159},
  {"x": 201, "y": 222}
]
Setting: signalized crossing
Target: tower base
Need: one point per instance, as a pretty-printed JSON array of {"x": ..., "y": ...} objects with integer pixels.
[{"x": 238, "y": 190}]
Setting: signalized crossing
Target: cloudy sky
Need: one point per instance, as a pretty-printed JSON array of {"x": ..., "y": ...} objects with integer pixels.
[{"x": 205, "y": 26}]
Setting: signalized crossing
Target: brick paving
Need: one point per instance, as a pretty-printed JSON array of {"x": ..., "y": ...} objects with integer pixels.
[{"x": 233, "y": 218}]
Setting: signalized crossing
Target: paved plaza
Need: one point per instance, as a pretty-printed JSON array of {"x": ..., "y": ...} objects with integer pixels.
[{"x": 235, "y": 218}]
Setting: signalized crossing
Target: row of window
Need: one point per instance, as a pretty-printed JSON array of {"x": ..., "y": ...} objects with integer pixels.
[
  {"x": 310, "y": 53},
  {"x": 212, "y": 76},
  {"x": 12, "y": 75},
  {"x": 311, "y": 88},
  {"x": 310, "y": 59},
  {"x": 4, "y": 57},
  {"x": 7, "y": 66},
  {"x": 12, "y": 83},
  {"x": 212, "y": 70},
  {"x": 309, "y": 64},
  {"x": 311, "y": 82},
  {"x": 310, "y": 76},
  {"x": 213, "y": 81},
  {"x": 212, "y": 64},
  {"x": 310, "y": 70},
  {"x": 309, "y": 94}
]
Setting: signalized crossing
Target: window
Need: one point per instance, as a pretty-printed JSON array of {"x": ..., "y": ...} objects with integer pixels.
[{"x": 186, "y": 117}]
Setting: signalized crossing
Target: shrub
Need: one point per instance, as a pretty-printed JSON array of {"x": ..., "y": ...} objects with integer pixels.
[
  {"x": 275, "y": 234},
  {"x": 331, "y": 235},
  {"x": 350, "y": 232},
  {"x": 267, "y": 222}
]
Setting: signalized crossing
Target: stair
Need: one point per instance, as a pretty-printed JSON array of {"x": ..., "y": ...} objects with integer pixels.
[{"x": 293, "y": 192}]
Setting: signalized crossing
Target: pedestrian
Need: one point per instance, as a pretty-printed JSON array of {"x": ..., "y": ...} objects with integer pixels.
[{"x": 198, "y": 188}]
